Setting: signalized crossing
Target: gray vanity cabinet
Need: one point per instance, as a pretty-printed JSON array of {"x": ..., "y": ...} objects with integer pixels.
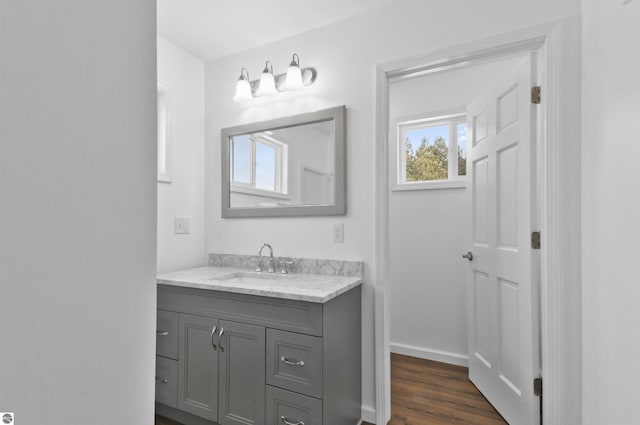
[
  {"x": 255, "y": 360},
  {"x": 166, "y": 358},
  {"x": 241, "y": 366},
  {"x": 198, "y": 366},
  {"x": 286, "y": 407},
  {"x": 294, "y": 362},
  {"x": 166, "y": 381},
  {"x": 221, "y": 370},
  {"x": 167, "y": 334}
]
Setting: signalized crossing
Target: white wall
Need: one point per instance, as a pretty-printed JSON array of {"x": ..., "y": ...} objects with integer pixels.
[
  {"x": 345, "y": 55},
  {"x": 77, "y": 211},
  {"x": 429, "y": 229},
  {"x": 182, "y": 74},
  {"x": 611, "y": 208}
]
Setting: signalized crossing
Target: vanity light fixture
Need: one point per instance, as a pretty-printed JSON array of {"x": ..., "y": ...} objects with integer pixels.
[
  {"x": 243, "y": 87},
  {"x": 267, "y": 86},
  {"x": 295, "y": 79},
  {"x": 294, "y": 75}
]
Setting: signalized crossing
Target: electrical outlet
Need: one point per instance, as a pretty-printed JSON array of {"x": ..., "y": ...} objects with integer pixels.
[
  {"x": 338, "y": 233},
  {"x": 182, "y": 225}
]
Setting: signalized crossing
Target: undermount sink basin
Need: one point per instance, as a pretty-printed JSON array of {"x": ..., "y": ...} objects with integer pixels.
[{"x": 255, "y": 278}]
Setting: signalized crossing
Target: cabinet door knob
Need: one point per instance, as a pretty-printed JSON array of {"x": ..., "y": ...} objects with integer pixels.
[
  {"x": 468, "y": 256},
  {"x": 161, "y": 380},
  {"x": 286, "y": 421},
  {"x": 220, "y": 339},
  {"x": 162, "y": 333},
  {"x": 213, "y": 332}
]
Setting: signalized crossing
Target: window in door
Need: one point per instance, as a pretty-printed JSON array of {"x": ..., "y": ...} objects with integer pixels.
[{"x": 431, "y": 153}]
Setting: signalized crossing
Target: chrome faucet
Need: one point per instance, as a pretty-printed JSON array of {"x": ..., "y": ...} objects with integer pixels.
[{"x": 271, "y": 263}]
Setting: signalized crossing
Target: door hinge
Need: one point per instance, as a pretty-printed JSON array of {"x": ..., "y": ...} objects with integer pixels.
[
  {"x": 535, "y": 240},
  {"x": 536, "y": 94},
  {"x": 537, "y": 387}
]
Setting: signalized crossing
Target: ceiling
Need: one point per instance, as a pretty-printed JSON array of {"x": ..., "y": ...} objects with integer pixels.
[{"x": 211, "y": 29}]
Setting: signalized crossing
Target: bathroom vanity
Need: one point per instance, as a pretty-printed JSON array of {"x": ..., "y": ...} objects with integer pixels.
[{"x": 241, "y": 347}]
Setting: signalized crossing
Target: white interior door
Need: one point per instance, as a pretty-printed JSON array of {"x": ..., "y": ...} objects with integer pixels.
[{"x": 502, "y": 287}]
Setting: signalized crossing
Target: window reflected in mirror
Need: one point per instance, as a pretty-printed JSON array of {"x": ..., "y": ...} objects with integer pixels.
[
  {"x": 283, "y": 167},
  {"x": 260, "y": 162}
]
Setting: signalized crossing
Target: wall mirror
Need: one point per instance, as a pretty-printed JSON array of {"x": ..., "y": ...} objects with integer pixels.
[{"x": 293, "y": 166}]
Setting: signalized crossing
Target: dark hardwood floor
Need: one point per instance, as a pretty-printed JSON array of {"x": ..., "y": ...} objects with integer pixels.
[{"x": 425, "y": 392}]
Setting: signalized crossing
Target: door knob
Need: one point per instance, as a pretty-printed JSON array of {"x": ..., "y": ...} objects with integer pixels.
[{"x": 468, "y": 256}]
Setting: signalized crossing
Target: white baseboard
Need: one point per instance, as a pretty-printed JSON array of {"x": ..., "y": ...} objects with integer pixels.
[
  {"x": 368, "y": 414},
  {"x": 430, "y": 354}
]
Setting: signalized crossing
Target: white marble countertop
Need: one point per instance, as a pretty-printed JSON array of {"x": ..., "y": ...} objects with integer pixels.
[{"x": 315, "y": 288}]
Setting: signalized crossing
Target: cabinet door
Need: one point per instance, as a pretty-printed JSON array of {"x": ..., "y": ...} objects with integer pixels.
[
  {"x": 294, "y": 362},
  {"x": 287, "y": 407},
  {"x": 198, "y": 366},
  {"x": 167, "y": 334},
  {"x": 166, "y": 381},
  {"x": 242, "y": 374}
]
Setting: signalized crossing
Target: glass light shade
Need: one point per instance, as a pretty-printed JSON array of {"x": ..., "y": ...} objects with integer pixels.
[
  {"x": 243, "y": 91},
  {"x": 294, "y": 78},
  {"x": 267, "y": 85}
]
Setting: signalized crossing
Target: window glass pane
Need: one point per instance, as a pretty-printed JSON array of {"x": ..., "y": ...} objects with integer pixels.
[
  {"x": 241, "y": 159},
  {"x": 265, "y": 167},
  {"x": 462, "y": 149},
  {"x": 162, "y": 133},
  {"x": 427, "y": 153}
]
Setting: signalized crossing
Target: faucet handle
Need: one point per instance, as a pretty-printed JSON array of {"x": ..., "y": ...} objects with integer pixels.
[
  {"x": 258, "y": 262},
  {"x": 284, "y": 265}
]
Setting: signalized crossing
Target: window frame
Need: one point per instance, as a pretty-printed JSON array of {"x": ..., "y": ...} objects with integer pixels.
[
  {"x": 164, "y": 107},
  {"x": 398, "y": 161},
  {"x": 281, "y": 169}
]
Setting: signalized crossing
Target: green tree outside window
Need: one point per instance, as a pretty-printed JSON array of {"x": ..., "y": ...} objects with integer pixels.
[{"x": 430, "y": 161}]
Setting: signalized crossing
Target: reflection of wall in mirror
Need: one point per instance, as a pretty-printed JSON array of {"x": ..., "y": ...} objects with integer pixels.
[
  {"x": 316, "y": 187},
  {"x": 311, "y": 163}
]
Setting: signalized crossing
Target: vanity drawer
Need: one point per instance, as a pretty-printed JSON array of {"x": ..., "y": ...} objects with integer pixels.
[
  {"x": 166, "y": 381},
  {"x": 167, "y": 334},
  {"x": 286, "y": 407},
  {"x": 294, "y": 362}
]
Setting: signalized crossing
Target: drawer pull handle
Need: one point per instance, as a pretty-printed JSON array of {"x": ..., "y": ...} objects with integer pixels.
[
  {"x": 283, "y": 359},
  {"x": 286, "y": 421},
  {"x": 161, "y": 380},
  {"x": 213, "y": 332},
  {"x": 220, "y": 338},
  {"x": 162, "y": 333}
]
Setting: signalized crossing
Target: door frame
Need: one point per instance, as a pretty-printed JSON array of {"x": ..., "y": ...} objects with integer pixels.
[{"x": 561, "y": 244}]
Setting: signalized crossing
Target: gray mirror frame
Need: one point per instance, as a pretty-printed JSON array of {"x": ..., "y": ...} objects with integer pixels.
[{"x": 338, "y": 116}]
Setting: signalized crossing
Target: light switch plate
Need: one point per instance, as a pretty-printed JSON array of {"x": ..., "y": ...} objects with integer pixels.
[{"x": 182, "y": 225}]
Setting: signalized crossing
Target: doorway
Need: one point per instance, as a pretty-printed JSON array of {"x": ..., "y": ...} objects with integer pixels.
[
  {"x": 430, "y": 210},
  {"x": 545, "y": 39},
  {"x": 428, "y": 222}
]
